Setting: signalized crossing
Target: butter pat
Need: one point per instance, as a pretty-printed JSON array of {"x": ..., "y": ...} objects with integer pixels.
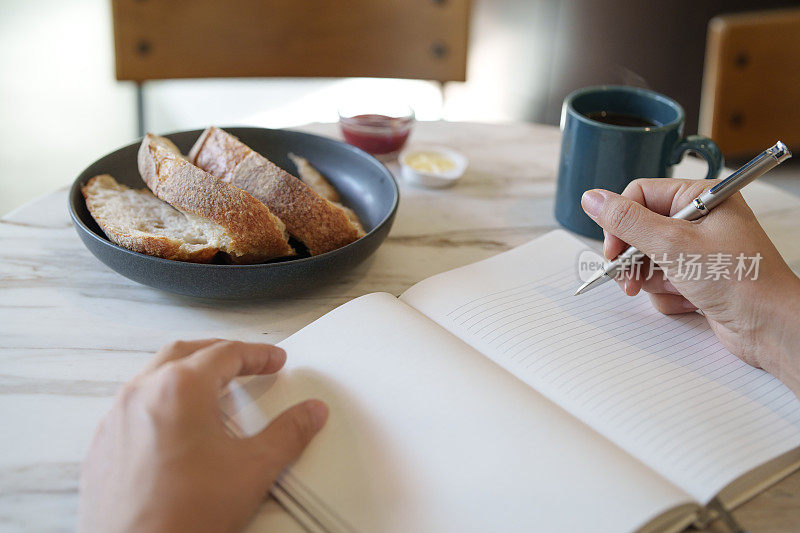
[
  {"x": 430, "y": 162},
  {"x": 432, "y": 166}
]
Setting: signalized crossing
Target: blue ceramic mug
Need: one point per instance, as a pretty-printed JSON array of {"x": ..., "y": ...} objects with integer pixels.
[{"x": 613, "y": 135}]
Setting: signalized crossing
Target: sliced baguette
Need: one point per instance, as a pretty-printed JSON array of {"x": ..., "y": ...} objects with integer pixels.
[
  {"x": 314, "y": 179},
  {"x": 246, "y": 229},
  {"x": 352, "y": 217},
  {"x": 138, "y": 221},
  {"x": 316, "y": 222}
]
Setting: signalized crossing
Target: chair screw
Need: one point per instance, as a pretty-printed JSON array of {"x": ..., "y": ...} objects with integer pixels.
[
  {"x": 143, "y": 48},
  {"x": 439, "y": 50}
]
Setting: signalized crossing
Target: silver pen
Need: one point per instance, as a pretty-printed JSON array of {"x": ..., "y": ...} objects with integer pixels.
[{"x": 699, "y": 207}]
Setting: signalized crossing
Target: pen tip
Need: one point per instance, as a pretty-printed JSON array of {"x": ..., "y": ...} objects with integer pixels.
[
  {"x": 582, "y": 288},
  {"x": 598, "y": 278}
]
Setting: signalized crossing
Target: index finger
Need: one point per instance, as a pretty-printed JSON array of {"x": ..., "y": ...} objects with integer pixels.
[
  {"x": 224, "y": 360},
  {"x": 176, "y": 350},
  {"x": 665, "y": 196}
]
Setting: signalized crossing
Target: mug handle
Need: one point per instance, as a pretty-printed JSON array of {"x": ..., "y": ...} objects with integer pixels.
[{"x": 705, "y": 147}]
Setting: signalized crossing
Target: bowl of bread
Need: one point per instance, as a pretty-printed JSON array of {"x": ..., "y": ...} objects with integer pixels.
[{"x": 234, "y": 213}]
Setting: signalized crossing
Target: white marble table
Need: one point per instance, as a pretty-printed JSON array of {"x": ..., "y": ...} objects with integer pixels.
[{"x": 72, "y": 331}]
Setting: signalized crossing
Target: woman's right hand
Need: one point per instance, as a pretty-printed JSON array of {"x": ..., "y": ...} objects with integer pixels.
[{"x": 755, "y": 314}]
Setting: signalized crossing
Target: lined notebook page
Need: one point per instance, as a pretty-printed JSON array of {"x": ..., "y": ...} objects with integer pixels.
[
  {"x": 661, "y": 387},
  {"x": 426, "y": 434}
]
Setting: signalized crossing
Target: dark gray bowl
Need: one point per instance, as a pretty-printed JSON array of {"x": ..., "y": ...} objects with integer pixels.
[{"x": 364, "y": 183}]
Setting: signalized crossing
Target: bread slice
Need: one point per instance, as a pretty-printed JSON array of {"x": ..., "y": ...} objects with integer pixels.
[
  {"x": 320, "y": 185},
  {"x": 138, "y": 221},
  {"x": 310, "y": 218},
  {"x": 314, "y": 179},
  {"x": 245, "y": 228}
]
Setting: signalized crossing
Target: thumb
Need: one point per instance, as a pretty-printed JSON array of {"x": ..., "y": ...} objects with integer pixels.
[
  {"x": 631, "y": 221},
  {"x": 284, "y": 439}
]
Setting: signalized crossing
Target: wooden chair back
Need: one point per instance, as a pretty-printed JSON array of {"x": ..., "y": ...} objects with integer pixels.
[
  {"x": 420, "y": 39},
  {"x": 751, "y": 81}
]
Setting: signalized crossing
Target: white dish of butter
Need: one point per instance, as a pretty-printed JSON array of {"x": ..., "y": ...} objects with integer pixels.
[{"x": 432, "y": 166}]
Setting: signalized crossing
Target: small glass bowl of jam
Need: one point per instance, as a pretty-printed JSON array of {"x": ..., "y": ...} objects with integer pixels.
[{"x": 380, "y": 131}]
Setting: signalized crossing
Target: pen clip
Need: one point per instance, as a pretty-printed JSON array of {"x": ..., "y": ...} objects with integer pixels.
[
  {"x": 778, "y": 153},
  {"x": 750, "y": 164}
]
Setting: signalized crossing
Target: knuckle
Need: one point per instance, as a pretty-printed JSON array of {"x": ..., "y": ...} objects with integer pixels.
[
  {"x": 127, "y": 394},
  {"x": 227, "y": 346},
  {"x": 174, "y": 346},
  {"x": 638, "y": 183},
  {"x": 176, "y": 381},
  {"x": 700, "y": 186},
  {"x": 622, "y": 217}
]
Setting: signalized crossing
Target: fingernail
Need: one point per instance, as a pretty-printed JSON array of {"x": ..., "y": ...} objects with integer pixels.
[
  {"x": 592, "y": 202},
  {"x": 319, "y": 412},
  {"x": 605, "y": 243}
]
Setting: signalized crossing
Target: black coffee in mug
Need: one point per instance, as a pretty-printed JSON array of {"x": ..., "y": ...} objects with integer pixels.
[
  {"x": 620, "y": 119},
  {"x": 613, "y": 135}
]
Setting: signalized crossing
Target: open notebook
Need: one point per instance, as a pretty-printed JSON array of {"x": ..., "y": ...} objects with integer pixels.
[{"x": 488, "y": 398}]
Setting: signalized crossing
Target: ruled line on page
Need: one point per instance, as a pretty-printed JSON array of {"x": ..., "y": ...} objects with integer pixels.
[
  {"x": 544, "y": 306},
  {"x": 526, "y": 328},
  {"x": 735, "y": 368},
  {"x": 753, "y": 426},
  {"x": 651, "y": 368},
  {"x": 572, "y": 378},
  {"x": 535, "y": 323},
  {"x": 736, "y": 424},
  {"x": 767, "y": 449},
  {"x": 524, "y": 300},
  {"x": 553, "y": 276},
  {"x": 679, "y": 399},
  {"x": 676, "y": 377},
  {"x": 662, "y": 384},
  {"x": 675, "y": 404},
  {"x": 460, "y": 307},
  {"x": 642, "y": 328}
]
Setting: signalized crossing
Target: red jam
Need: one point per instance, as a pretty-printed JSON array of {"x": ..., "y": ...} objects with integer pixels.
[{"x": 376, "y": 134}]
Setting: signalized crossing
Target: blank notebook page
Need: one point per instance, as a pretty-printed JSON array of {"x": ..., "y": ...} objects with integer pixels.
[
  {"x": 661, "y": 387},
  {"x": 426, "y": 434}
]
